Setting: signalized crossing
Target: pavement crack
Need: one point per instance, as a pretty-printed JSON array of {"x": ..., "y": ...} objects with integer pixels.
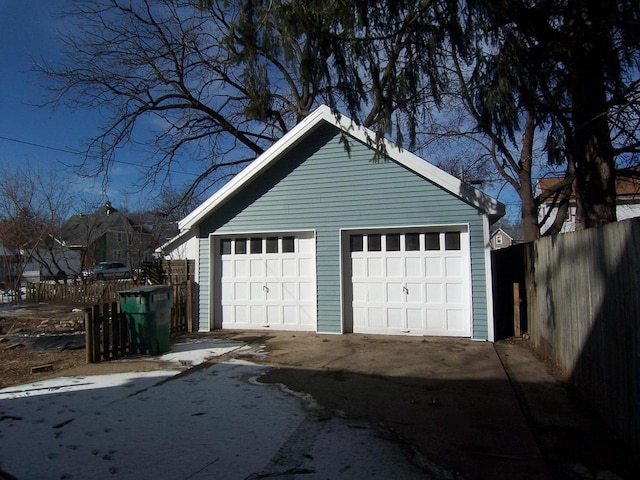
[
  {"x": 9, "y": 417},
  {"x": 291, "y": 471},
  {"x": 202, "y": 469},
  {"x": 62, "y": 424}
]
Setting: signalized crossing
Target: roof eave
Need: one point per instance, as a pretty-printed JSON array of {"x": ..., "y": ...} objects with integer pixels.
[{"x": 170, "y": 244}]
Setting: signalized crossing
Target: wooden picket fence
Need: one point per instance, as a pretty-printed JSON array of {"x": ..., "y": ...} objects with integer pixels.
[
  {"x": 81, "y": 293},
  {"x": 183, "y": 311},
  {"x": 108, "y": 334}
]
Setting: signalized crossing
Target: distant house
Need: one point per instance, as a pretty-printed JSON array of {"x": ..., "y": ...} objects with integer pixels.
[
  {"x": 627, "y": 200},
  {"x": 500, "y": 239},
  {"x": 323, "y": 233},
  {"x": 107, "y": 235},
  {"x": 52, "y": 260}
]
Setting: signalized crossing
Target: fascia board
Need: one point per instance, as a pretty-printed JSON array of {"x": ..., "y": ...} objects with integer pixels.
[{"x": 173, "y": 242}]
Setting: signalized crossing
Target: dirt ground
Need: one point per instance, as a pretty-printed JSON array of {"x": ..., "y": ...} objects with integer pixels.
[{"x": 19, "y": 361}]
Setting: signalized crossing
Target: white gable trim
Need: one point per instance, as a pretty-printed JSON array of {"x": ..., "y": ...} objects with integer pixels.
[{"x": 324, "y": 114}]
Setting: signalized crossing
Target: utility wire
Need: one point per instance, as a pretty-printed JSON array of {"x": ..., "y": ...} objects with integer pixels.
[
  {"x": 73, "y": 152},
  {"x": 24, "y": 142}
]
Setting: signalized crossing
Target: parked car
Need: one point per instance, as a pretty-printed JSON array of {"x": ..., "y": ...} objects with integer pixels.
[{"x": 108, "y": 270}]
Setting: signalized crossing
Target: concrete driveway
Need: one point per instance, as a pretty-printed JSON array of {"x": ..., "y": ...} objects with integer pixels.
[
  {"x": 370, "y": 407},
  {"x": 449, "y": 398}
]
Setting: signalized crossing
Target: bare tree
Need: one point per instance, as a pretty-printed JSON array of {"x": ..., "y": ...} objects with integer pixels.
[
  {"x": 218, "y": 82},
  {"x": 33, "y": 207},
  {"x": 185, "y": 78}
]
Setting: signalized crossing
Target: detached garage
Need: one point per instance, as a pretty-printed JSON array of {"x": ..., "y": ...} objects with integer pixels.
[{"x": 322, "y": 233}]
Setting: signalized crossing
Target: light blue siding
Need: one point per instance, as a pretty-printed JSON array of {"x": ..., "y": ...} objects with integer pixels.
[
  {"x": 319, "y": 186},
  {"x": 204, "y": 296}
]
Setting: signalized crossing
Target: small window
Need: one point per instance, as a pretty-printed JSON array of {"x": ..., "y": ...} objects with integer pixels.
[
  {"x": 432, "y": 241},
  {"x": 452, "y": 241},
  {"x": 288, "y": 245},
  {"x": 412, "y": 242},
  {"x": 498, "y": 239},
  {"x": 393, "y": 242},
  {"x": 241, "y": 246},
  {"x": 256, "y": 245},
  {"x": 356, "y": 243},
  {"x": 374, "y": 242},
  {"x": 225, "y": 246},
  {"x": 272, "y": 244}
]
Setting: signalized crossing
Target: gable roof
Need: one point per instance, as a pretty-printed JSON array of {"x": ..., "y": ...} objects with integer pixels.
[
  {"x": 321, "y": 115},
  {"x": 84, "y": 229},
  {"x": 501, "y": 230}
]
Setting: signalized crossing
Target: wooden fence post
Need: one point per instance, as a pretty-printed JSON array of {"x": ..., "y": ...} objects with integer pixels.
[
  {"x": 106, "y": 330},
  {"x": 88, "y": 329},
  {"x": 115, "y": 331},
  {"x": 516, "y": 310},
  {"x": 96, "y": 334},
  {"x": 190, "y": 309}
]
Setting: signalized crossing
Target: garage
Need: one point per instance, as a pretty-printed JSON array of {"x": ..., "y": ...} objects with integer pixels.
[
  {"x": 326, "y": 232},
  {"x": 414, "y": 282},
  {"x": 268, "y": 281}
]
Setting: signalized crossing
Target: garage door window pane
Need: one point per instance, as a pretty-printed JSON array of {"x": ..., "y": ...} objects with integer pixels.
[
  {"x": 256, "y": 245},
  {"x": 374, "y": 243},
  {"x": 412, "y": 242},
  {"x": 272, "y": 244},
  {"x": 225, "y": 246},
  {"x": 355, "y": 243},
  {"x": 432, "y": 241},
  {"x": 452, "y": 241},
  {"x": 393, "y": 242},
  {"x": 241, "y": 246},
  {"x": 287, "y": 245}
]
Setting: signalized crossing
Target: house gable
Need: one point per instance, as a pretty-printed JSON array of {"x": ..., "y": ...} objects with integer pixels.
[
  {"x": 322, "y": 116},
  {"x": 318, "y": 185},
  {"x": 108, "y": 234}
]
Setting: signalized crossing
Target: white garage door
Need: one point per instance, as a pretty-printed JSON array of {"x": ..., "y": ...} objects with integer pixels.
[
  {"x": 268, "y": 280},
  {"x": 415, "y": 283}
]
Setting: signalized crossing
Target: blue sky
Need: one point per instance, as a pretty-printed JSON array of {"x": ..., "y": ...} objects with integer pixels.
[
  {"x": 28, "y": 31},
  {"x": 43, "y": 138}
]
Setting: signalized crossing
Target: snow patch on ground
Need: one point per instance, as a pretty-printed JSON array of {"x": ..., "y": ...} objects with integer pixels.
[
  {"x": 212, "y": 422},
  {"x": 195, "y": 351}
]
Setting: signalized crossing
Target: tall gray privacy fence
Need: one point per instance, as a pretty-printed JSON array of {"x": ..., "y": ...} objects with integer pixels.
[{"x": 583, "y": 296}]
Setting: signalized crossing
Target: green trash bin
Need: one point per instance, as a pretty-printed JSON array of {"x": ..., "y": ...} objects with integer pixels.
[{"x": 148, "y": 311}]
